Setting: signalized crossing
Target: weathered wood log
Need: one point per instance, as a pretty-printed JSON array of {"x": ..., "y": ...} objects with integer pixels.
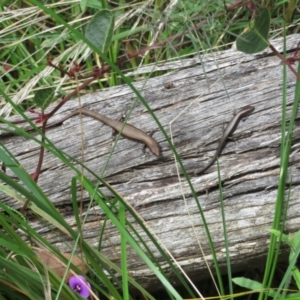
[{"x": 205, "y": 94}]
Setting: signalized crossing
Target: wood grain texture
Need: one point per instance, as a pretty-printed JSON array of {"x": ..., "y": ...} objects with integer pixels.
[{"x": 205, "y": 95}]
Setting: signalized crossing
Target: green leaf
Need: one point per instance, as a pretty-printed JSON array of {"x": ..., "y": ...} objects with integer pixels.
[
  {"x": 281, "y": 235},
  {"x": 43, "y": 98},
  {"x": 248, "y": 283},
  {"x": 83, "y": 4},
  {"x": 256, "y": 39},
  {"x": 296, "y": 276},
  {"x": 251, "y": 285},
  {"x": 296, "y": 240},
  {"x": 90, "y": 4},
  {"x": 99, "y": 30},
  {"x": 293, "y": 296},
  {"x": 293, "y": 242}
]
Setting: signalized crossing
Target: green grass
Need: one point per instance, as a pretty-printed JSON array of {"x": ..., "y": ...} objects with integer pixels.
[{"x": 32, "y": 34}]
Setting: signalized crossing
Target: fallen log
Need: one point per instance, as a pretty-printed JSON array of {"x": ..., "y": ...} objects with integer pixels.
[{"x": 192, "y": 103}]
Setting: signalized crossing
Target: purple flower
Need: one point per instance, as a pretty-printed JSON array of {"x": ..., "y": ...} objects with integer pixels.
[{"x": 80, "y": 286}]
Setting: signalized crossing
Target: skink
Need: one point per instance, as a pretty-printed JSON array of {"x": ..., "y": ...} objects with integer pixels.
[
  {"x": 128, "y": 131},
  {"x": 231, "y": 127}
]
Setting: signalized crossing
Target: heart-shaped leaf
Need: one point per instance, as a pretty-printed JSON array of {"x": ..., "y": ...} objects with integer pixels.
[
  {"x": 43, "y": 98},
  {"x": 256, "y": 39},
  {"x": 99, "y": 30}
]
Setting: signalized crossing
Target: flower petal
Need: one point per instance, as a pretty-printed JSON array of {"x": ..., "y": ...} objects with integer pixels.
[{"x": 79, "y": 285}]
